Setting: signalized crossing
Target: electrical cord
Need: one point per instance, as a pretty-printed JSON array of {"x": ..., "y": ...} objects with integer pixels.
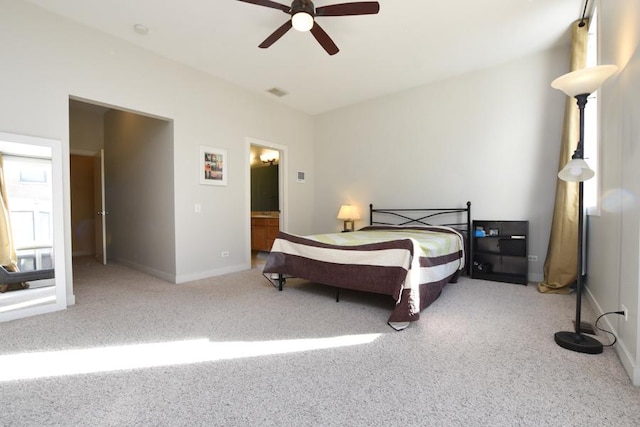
[{"x": 615, "y": 339}]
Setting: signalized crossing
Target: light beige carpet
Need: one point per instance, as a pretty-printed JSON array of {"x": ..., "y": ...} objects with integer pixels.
[{"x": 233, "y": 351}]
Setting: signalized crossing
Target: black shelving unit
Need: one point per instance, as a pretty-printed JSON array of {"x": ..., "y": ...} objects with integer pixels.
[{"x": 500, "y": 251}]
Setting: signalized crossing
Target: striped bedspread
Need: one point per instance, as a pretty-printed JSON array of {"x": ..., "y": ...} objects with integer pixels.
[{"x": 412, "y": 264}]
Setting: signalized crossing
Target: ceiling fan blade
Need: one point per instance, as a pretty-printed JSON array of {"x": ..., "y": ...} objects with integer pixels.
[
  {"x": 276, "y": 35},
  {"x": 344, "y": 9},
  {"x": 324, "y": 39},
  {"x": 271, "y": 4}
]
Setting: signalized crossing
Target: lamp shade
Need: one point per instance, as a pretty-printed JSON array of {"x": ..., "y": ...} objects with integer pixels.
[
  {"x": 585, "y": 80},
  {"x": 348, "y": 213},
  {"x": 575, "y": 171},
  {"x": 302, "y": 21}
]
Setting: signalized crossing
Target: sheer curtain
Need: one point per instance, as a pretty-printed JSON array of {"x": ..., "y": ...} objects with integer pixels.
[{"x": 560, "y": 266}]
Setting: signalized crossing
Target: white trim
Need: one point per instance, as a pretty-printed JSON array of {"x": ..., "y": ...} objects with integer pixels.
[
  {"x": 147, "y": 270},
  {"x": 184, "y": 278}
]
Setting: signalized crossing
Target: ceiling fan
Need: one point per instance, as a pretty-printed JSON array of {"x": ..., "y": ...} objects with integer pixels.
[{"x": 302, "y": 18}]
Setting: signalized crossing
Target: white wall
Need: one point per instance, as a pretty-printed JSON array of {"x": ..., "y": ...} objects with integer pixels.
[
  {"x": 46, "y": 59},
  {"x": 614, "y": 246},
  {"x": 139, "y": 192},
  {"x": 86, "y": 130},
  {"x": 491, "y": 137}
]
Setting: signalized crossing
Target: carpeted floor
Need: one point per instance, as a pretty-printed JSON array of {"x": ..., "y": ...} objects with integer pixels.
[{"x": 233, "y": 351}]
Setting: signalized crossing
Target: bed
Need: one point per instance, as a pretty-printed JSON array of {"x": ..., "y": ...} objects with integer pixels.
[{"x": 409, "y": 254}]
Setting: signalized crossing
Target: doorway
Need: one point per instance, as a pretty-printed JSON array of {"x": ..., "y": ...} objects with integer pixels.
[
  {"x": 267, "y": 195},
  {"x": 138, "y": 161},
  {"x": 86, "y": 142},
  {"x": 88, "y": 214}
]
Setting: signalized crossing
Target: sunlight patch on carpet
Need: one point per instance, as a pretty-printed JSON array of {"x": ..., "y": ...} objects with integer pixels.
[{"x": 138, "y": 356}]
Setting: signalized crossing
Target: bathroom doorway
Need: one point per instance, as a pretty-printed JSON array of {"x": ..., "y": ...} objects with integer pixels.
[{"x": 267, "y": 196}]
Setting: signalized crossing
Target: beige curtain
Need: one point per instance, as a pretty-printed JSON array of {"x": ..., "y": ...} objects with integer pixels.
[
  {"x": 561, "y": 264},
  {"x": 7, "y": 250}
]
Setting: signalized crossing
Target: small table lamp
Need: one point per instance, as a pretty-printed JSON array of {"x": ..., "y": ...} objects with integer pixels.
[{"x": 348, "y": 213}]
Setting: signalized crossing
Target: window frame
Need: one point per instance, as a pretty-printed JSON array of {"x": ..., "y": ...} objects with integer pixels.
[{"x": 591, "y": 143}]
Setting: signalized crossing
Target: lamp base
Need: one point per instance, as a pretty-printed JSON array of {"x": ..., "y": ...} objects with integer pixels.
[
  {"x": 578, "y": 342},
  {"x": 348, "y": 226}
]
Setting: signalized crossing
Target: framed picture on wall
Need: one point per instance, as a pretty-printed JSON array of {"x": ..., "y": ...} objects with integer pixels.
[{"x": 213, "y": 165}]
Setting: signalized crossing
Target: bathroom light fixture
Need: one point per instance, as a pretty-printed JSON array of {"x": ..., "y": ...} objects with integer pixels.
[
  {"x": 580, "y": 84},
  {"x": 269, "y": 157},
  {"x": 348, "y": 213}
]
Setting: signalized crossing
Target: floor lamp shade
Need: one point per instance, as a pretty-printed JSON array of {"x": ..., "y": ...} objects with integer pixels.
[
  {"x": 580, "y": 84},
  {"x": 577, "y": 170},
  {"x": 585, "y": 80}
]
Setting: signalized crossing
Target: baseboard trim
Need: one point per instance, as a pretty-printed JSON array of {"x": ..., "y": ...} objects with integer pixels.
[
  {"x": 536, "y": 278},
  {"x": 621, "y": 348},
  {"x": 212, "y": 273},
  {"x": 148, "y": 270}
]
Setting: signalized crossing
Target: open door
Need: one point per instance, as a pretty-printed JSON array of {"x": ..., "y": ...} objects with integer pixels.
[{"x": 101, "y": 220}]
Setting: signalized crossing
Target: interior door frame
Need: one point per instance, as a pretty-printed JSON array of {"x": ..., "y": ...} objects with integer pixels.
[
  {"x": 100, "y": 208},
  {"x": 283, "y": 187}
]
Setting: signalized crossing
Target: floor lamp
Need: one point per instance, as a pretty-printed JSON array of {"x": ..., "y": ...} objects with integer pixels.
[{"x": 580, "y": 84}]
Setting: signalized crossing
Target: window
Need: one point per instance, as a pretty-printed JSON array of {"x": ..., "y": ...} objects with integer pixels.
[
  {"x": 591, "y": 116},
  {"x": 29, "y": 195},
  {"x": 33, "y": 173}
]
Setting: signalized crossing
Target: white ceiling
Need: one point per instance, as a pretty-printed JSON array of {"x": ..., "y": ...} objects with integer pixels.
[{"x": 408, "y": 44}]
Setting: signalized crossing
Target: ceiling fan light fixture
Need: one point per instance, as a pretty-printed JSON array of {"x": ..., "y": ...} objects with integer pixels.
[
  {"x": 302, "y": 21},
  {"x": 302, "y": 15}
]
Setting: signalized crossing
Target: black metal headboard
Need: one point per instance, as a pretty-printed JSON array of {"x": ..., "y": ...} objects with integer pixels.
[{"x": 457, "y": 218}]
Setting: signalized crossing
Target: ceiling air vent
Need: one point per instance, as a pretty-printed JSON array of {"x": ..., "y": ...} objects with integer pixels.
[{"x": 277, "y": 92}]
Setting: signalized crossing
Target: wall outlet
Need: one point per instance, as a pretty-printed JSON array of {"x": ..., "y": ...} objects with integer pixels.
[
  {"x": 626, "y": 312},
  {"x": 533, "y": 258},
  {"x": 224, "y": 254}
]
